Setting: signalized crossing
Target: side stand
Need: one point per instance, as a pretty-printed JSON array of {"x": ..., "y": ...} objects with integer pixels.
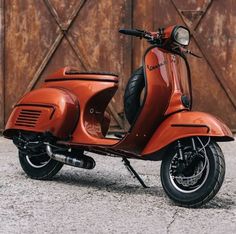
[{"x": 133, "y": 172}]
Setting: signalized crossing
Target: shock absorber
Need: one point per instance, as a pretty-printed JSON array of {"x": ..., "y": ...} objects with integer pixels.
[{"x": 179, "y": 146}]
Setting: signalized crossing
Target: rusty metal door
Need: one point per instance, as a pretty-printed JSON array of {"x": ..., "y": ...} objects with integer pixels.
[
  {"x": 39, "y": 36},
  {"x": 1, "y": 64},
  {"x": 42, "y": 36},
  {"x": 213, "y": 27}
]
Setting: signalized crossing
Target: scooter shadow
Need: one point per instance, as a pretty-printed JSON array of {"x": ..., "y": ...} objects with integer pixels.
[
  {"x": 108, "y": 184},
  {"x": 220, "y": 203},
  {"x": 120, "y": 185}
]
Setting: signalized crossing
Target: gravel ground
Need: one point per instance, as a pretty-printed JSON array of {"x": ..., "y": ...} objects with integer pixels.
[{"x": 106, "y": 200}]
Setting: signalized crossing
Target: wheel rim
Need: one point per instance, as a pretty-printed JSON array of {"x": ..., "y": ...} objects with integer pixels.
[
  {"x": 192, "y": 179},
  {"x": 38, "y": 162}
]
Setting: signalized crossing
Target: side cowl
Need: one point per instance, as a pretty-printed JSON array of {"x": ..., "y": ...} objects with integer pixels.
[{"x": 44, "y": 110}]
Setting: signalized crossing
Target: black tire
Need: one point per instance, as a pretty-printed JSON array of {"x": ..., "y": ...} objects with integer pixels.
[
  {"x": 132, "y": 95},
  {"x": 40, "y": 167},
  {"x": 210, "y": 184}
]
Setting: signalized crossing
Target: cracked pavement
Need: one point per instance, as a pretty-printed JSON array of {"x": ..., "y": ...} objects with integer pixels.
[{"x": 106, "y": 200}]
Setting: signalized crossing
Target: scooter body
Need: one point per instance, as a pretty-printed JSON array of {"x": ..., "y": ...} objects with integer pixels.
[
  {"x": 71, "y": 106},
  {"x": 69, "y": 110}
]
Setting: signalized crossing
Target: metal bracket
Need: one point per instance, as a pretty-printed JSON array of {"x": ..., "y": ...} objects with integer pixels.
[{"x": 133, "y": 172}]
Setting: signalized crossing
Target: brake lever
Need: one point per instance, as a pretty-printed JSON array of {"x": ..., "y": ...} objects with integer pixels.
[
  {"x": 189, "y": 52},
  {"x": 147, "y": 35}
]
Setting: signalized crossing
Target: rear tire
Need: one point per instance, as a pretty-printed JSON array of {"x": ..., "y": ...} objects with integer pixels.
[
  {"x": 183, "y": 191},
  {"x": 41, "y": 167}
]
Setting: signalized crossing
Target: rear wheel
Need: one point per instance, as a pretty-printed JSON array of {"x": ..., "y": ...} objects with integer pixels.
[
  {"x": 40, "y": 167},
  {"x": 193, "y": 177},
  {"x": 33, "y": 157}
]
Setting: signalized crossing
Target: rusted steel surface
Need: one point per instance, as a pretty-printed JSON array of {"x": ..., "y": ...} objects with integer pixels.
[
  {"x": 64, "y": 27},
  {"x": 213, "y": 34},
  {"x": 43, "y": 35},
  {"x": 1, "y": 65},
  {"x": 212, "y": 24},
  {"x": 95, "y": 32},
  {"x": 79, "y": 33},
  {"x": 29, "y": 35}
]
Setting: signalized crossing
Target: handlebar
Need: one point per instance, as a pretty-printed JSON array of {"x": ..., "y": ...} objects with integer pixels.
[
  {"x": 132, "y": 32},
  {"x": 137, "y": 33},
  {"x": 158, "y": 38}
]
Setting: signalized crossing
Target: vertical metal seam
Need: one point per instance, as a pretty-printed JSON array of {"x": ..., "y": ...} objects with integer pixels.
[
  {"x": 4, "y": 65},
  {"x": 131, "y": 40},
  {"x": 131, "y": 53},
  {"x": 2, "y": 54}
]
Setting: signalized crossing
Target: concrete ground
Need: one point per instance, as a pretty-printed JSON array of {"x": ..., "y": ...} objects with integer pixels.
[{"x": 106, "y": 200}]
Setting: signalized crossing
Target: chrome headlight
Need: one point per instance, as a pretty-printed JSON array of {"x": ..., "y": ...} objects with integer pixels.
[{"x": 181, "y": 35}]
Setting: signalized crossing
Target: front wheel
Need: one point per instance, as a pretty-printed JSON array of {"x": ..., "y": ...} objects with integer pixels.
[{"x": 193, "y": 172}]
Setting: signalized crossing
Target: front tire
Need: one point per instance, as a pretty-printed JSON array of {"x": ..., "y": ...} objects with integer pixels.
[
  {"x": 133, "y": 95},
  {"x": 194, "y": 185},
  {"x": 40, "y": 167}
]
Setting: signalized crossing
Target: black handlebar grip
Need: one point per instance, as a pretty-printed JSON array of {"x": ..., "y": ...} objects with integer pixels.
[{"x": 132, "y": 32}]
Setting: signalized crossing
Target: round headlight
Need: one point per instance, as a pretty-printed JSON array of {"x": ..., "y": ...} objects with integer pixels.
[{"x": 181, "y": 35}]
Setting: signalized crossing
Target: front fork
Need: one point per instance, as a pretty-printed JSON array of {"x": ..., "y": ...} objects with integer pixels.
[
  {"x": 193, "y": 143},
  {"x": 180, "y": 148},
  {"x": 195, "y": 151}
]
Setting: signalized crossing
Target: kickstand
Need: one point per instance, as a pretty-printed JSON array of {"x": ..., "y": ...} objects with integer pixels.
[{"x": 133, "y": 172}]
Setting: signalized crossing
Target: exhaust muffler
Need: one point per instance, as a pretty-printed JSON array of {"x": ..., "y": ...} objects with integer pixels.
[{"x": 83, "y": 162}]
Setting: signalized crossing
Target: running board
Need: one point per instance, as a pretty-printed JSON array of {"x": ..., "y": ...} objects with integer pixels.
[{"x": 133, "y": 172}]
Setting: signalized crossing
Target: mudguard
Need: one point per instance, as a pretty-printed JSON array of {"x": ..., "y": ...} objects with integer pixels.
[
  {"x": 187, "y": 124},
  {"x": 45, "y": 110}
]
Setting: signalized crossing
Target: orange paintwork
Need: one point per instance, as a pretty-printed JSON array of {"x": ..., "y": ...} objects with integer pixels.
[
  {"x": 72, "y": 106},
  {"x": 69, "y": 73},
  {"x": 175, "y": 103},
  {"x": 158, "y": 93},
  {"x": 186, "y": 124},
  {"x": 55, "y": 111},
  {"x": 93, "y": 93},
  {"x": 168, "y": 32}
]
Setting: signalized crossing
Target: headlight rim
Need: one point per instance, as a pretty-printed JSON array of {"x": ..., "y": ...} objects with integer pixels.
[{"x": 173, "y": 35}]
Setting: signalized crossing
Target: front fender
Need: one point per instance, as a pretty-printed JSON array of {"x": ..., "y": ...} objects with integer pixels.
[{"x": 187, "y": 124}]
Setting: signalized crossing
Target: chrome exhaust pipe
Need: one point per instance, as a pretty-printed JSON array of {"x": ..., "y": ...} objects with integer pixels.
[{"x": 84, "y": 162}]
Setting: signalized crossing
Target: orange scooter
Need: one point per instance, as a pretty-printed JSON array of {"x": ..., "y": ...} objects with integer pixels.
[{"x": 55, "y": 124}]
